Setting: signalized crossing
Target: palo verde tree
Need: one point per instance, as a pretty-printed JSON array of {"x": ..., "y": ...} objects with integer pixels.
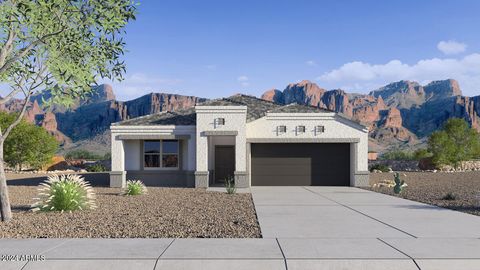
[
  {"x": 60, "y": 45},
  {"x": 454, "y": 143}
]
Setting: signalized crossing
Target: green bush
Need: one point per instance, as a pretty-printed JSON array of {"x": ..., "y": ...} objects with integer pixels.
[
  {"x": 97, "y": 167},
  {"x": 421, "y": 154},
  {"x": 230, "y": 185},
  {"x": 454, "y": 143},
  {"x": 380, "y": 167},
  {"x": 135, "y": 187},
  {"x": 27, "y": 144},
  {"x": 82, "y": 154},
  {"x": 65, "y": 193}
]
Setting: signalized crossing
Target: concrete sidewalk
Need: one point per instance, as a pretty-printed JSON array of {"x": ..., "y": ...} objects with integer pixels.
[
  {"x": 303, "y": 228},
  {"x": 321, "y": 253}
]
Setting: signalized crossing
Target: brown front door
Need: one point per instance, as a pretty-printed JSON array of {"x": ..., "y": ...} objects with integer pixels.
[{"x": 224, "y": 162}]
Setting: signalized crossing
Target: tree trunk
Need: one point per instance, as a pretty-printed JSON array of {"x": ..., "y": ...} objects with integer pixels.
[{"x": 5, "y": 209}]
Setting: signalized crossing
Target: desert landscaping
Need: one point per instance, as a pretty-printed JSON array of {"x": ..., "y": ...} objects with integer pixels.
[
  {"x": 459, "y": 191},
  {"x": 162, "y": 213}
]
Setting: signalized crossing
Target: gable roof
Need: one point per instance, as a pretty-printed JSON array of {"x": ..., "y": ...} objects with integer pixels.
[{"x": 256, "y": 108}]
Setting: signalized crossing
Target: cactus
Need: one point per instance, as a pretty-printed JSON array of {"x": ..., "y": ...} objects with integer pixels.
[{"x": 399, "y": 184}]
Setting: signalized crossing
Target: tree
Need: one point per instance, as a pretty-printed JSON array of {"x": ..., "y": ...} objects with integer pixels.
[
  {"x": 456, "y": 142},
  {"x": 27, "y": 144},
  {"x": 61, "y": 45}
]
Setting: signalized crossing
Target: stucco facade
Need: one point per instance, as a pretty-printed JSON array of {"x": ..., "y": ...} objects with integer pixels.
[{"x": 210, "y": 125}]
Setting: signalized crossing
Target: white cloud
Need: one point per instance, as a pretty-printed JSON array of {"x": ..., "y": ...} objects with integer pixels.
[
  {"x": 243, "y": 80},
  {"x": 362, "y": 76},
  {"x": 138, "y": 84},
  {"x": 451, "y": 47},
  {"x": 311, "y": 63}
]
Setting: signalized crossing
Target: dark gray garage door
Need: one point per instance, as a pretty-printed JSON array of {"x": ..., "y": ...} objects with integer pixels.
[{"x": 300, "y": 164}]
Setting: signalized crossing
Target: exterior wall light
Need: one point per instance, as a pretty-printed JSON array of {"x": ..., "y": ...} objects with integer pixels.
[{"x": 300, "y": 129}]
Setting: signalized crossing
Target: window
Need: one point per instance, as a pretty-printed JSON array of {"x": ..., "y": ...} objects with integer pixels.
[
  {"x": 301, "y": 129},
  {"x": 161, "y": 154}
]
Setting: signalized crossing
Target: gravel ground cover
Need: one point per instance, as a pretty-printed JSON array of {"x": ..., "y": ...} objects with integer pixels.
[
  {"x": 162, "y": 213},
  {"x": 432, "y": 188}
]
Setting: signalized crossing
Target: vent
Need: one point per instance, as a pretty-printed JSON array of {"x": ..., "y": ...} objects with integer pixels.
[
  {"x": 219, "y": 121},
  {"x": 281, "y": 129}
]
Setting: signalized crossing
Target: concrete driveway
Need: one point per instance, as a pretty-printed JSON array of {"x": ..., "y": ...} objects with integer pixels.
[{"x": 330, "y": 227}]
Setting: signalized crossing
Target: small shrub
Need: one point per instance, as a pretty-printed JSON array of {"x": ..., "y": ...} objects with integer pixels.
[
  {"x": 97, "y": 167},
  {"x": 135, "y": 187},
  {"x": 449, "y": 197},
  {"x": 230, "y": 185},
  {"x": 65, "y": 193},
  {"x": 380, "y": 167},
  {"x": 399, "y": 184}
]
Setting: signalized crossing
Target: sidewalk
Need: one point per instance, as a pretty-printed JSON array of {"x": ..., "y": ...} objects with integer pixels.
[{"x": 232, "y": 254}]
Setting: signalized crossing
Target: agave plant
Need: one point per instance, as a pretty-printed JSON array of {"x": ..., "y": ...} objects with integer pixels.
[
  {"x": 65, "y": 193},
  {"x": 230, "y": 185},
  {"x": 135, "y": 187}
]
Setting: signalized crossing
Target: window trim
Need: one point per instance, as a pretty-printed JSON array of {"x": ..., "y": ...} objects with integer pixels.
[{"x": 160, "y": 155}]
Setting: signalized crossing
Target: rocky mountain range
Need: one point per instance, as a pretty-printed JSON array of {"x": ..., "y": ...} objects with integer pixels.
[{"x": 400, "y": 115}]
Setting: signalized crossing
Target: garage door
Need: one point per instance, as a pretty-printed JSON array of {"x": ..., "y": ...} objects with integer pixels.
[{"x": 300, "y": 164}]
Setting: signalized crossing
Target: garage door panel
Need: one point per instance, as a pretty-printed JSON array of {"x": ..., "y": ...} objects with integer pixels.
[{"x": 293, "y": 164}]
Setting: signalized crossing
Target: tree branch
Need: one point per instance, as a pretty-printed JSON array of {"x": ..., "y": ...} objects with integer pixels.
[
  {"x": 10, "y": 96},
  {"x": 23, "y": 52},
  {"x": 19, "y": 118}
]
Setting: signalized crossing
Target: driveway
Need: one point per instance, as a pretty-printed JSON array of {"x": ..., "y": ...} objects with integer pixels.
[{"x": 330, "y": 226}]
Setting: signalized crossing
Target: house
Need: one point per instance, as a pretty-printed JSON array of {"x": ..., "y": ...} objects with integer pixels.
[{"x": 256, "y": 142}]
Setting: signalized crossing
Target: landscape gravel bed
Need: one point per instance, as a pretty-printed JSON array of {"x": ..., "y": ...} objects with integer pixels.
[
  {"x": 431, "y": 188},
  {"x": 162, "y": 213}
]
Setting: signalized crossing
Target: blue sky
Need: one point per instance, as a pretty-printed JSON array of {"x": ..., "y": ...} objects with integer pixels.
[{"x": 216, "y": 48}]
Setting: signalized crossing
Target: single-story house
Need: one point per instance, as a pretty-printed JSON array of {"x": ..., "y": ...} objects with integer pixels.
[{"x": 253, "y": 141}]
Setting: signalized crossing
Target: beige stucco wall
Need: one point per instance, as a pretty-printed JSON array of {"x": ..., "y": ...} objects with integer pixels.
[
  {"x": 126, "y": 154},
  {"x": 336, "y": 129},
  {"x": 235, "y": 120}
]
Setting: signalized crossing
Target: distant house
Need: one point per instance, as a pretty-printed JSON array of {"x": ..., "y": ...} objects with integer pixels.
[
  {"x": 256, "y": 142},
  {"x": 372, "y": 155}
]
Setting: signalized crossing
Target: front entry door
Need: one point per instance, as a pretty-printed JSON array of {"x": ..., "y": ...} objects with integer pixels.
[{"x": 224, "y": 162}]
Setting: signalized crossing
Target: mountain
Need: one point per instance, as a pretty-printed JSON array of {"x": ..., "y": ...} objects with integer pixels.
[
  {"x": 85, "y": 124},
  {"x": 401, "y": 114}
]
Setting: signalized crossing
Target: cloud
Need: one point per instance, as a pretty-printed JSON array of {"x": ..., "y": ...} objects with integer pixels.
[
  {"x": 211, "y": 67},
  {"x": 362, "y": 76},
  {"x": 451, "y": 47},
  {"x": 243, "y": 80},
  {"x": 138, "y": 84},
  {"x": 311, "y": 63}
]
